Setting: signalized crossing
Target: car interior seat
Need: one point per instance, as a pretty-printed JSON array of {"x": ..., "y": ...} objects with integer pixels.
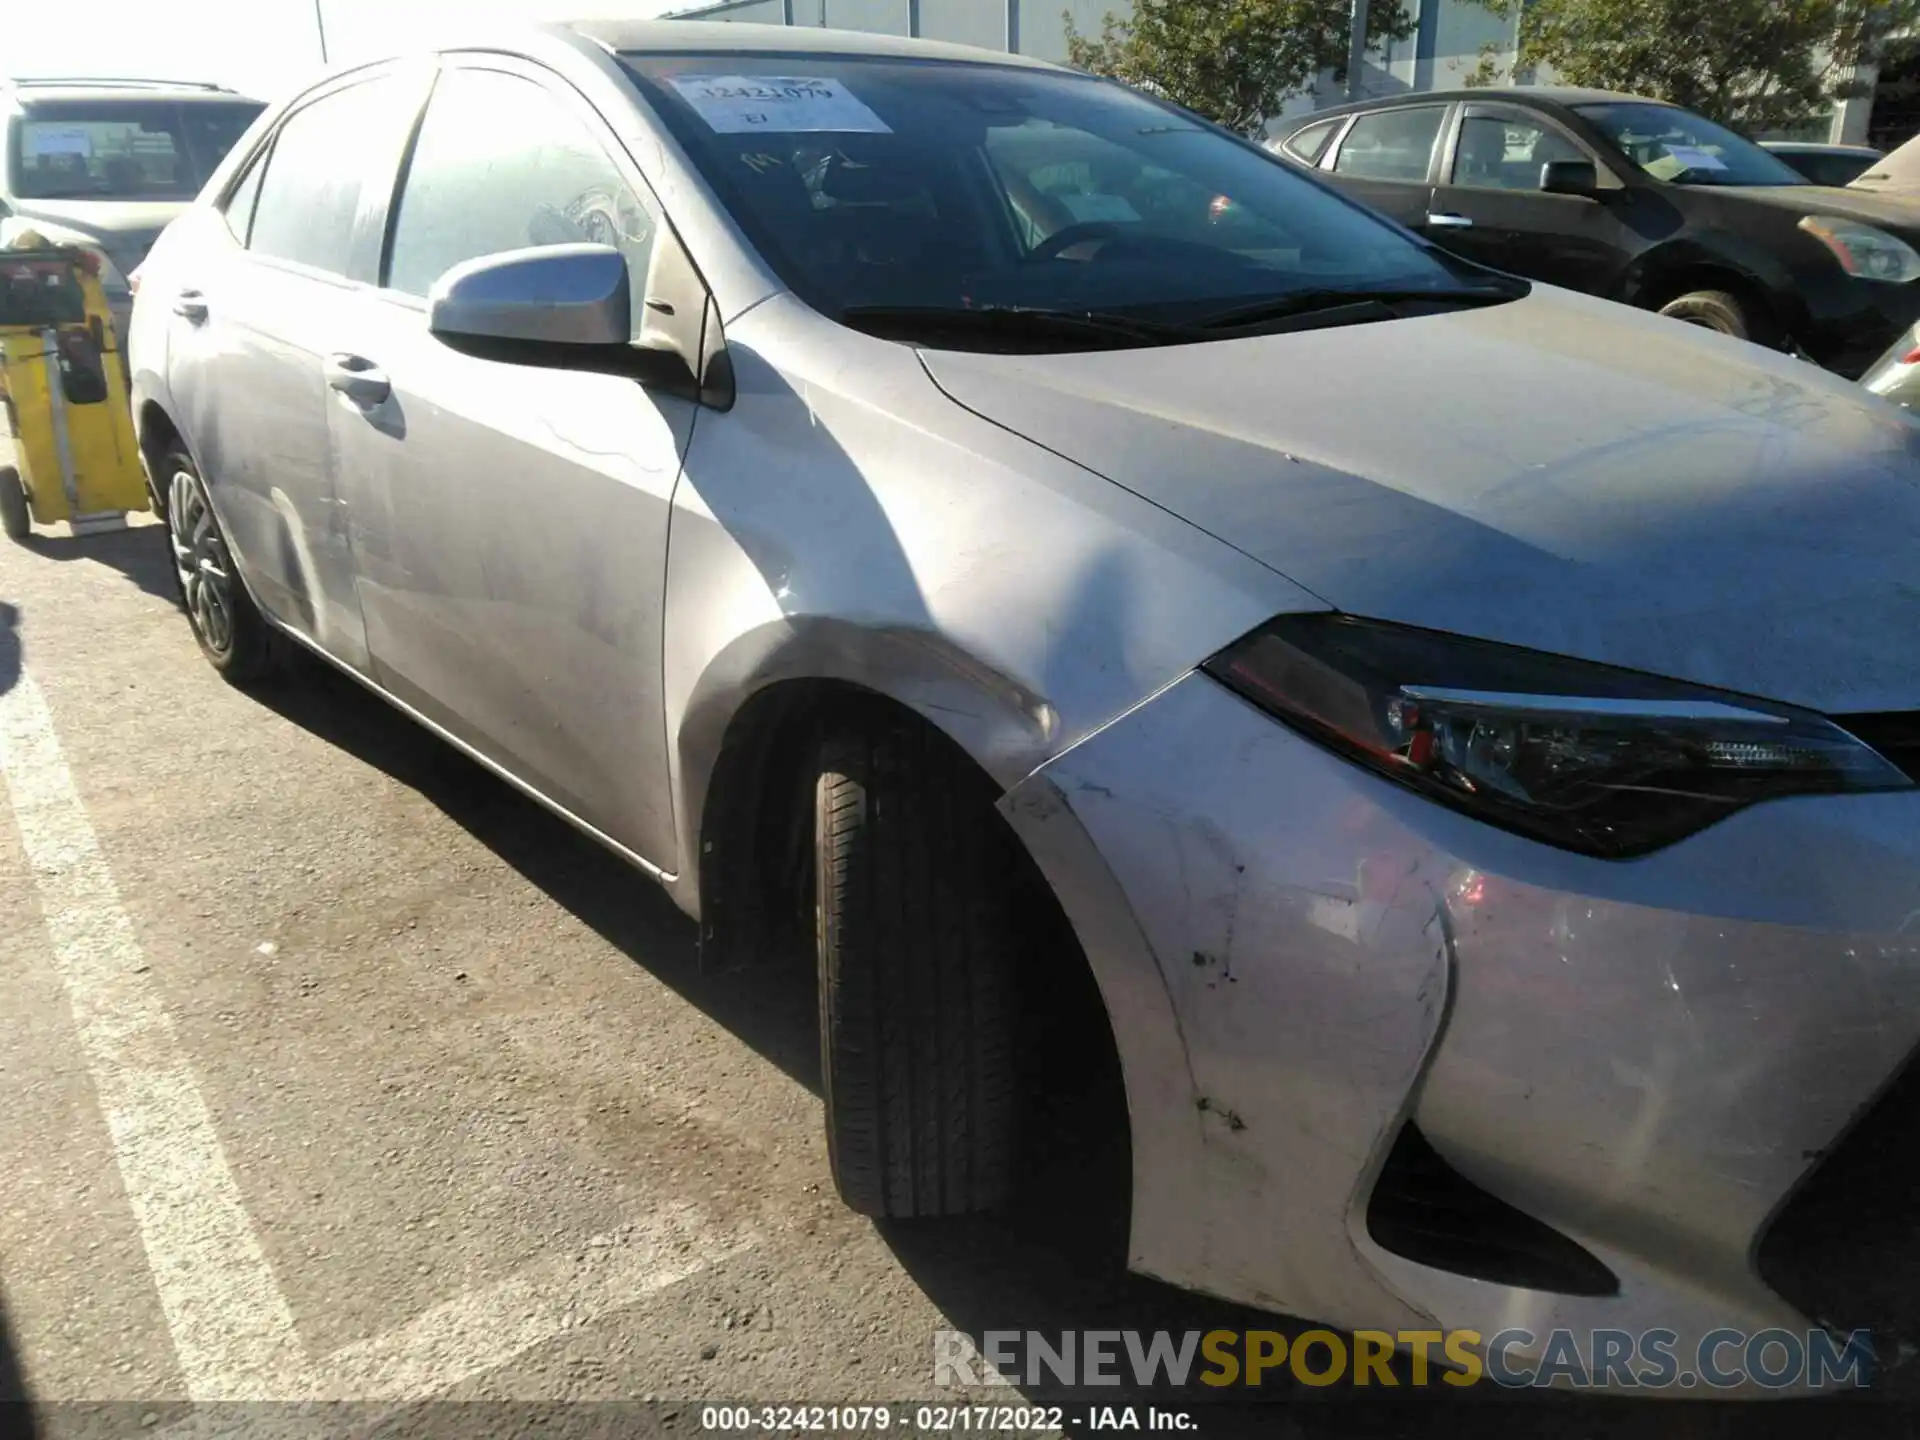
[{"x": 1483, "y": 155}]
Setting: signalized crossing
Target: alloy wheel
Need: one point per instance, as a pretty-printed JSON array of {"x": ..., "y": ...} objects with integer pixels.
[{"x": 200, "y": 560}]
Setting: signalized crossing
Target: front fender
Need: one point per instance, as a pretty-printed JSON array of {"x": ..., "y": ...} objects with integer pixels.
[
  {"x": 845, "y": 521},
  {"x": 1276, "y": 970},
  {"x": 1646, "y": 280}
]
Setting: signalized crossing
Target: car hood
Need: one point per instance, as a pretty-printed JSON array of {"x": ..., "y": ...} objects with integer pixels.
[
  {"x": 125, "y": 229},
  {"x": 1890, "y": 211},
  {"x": 1561, "y": 473}
]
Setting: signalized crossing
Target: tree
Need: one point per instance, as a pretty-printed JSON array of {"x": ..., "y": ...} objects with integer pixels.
[
  {"x": 1753, "y": 64},
  {"x": 1234, "y": 61}
]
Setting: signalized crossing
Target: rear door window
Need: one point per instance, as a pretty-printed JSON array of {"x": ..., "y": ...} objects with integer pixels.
[
  {"x": 310, "y": 196},
  {"x": 503, "y": 164},
  {"x": 1311, "y": 143},
  {"x": 1391, "y": 144}
]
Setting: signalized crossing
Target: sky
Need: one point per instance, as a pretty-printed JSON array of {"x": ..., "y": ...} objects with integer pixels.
[{"x": 262, "y": 47}]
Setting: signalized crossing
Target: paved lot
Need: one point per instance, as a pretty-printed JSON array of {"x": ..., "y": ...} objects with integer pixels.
[{"x": 336, "y": 1070}]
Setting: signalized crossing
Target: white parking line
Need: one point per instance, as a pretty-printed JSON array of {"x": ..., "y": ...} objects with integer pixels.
[
  {"x": 231, "y": 1329},
  {"x": 483, "y": 1329}
]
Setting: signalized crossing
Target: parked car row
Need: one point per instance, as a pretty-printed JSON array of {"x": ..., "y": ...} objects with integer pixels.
[
  {"x": 1638, "y": 201},
  {"x": 983, "y": 516}
]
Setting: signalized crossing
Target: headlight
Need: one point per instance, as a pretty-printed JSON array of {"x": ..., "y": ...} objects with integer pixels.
[
  {"x": 1606, "y": 762},
  {"x": 1865, "y": 252}
]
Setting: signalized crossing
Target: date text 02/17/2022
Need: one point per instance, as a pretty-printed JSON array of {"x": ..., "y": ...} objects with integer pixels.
[{"x": 938, "y": 1419}]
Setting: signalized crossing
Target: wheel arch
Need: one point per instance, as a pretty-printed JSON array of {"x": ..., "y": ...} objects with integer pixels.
[
  {"x": 157, "y": 435},
  {"x": 774, "y": 680},
  {"x": 756, "y": 823},
  {"x": 1680, "y": 268}
]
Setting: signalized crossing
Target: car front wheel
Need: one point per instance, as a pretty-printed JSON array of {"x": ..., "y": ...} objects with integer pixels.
[
  {"x": 916, "y": 920},
  {"x": 1718, "y": 311},
  {"x": 232, "y": 633}
]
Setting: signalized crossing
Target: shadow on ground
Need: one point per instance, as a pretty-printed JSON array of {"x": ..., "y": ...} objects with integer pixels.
[
  {"x": 10, "y": 658},
  {"x": 16, "y": 1418},
  {"x": 139, "y": 553},
  {"x": 1056, "y": 1262}
]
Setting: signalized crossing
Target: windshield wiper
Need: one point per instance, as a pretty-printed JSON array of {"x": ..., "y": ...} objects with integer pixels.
[
  {"x": 1016, "y": 322},
  {"x": 1323, "y": 301}
]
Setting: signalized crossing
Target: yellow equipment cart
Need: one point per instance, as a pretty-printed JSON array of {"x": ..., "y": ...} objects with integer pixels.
[{"x": 68, "y": 451}]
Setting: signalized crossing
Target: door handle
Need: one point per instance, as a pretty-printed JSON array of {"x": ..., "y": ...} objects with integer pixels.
[
  {"x": 359, "y": 379},
  {"x": 1445, "y": 221},
  {"x": 191, "y": 305}
]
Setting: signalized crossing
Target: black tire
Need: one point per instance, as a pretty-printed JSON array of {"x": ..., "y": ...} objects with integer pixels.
[
  {"x": 1719, "y": 311},
  {"x": 15, "y": 518},
  {"x": 232, "y": 634},
  {"x": 917, "y": 931}
]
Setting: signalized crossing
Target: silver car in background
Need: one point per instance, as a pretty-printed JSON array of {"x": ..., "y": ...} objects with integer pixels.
[
  {"x": 107, "y": 164},
  {"x": 1466, "y": 730}
]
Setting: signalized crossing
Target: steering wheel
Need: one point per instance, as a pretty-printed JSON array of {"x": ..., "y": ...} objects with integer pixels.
[{"x": 1050, "y": 248}]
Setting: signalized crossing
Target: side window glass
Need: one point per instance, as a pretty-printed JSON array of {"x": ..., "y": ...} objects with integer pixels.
[
  {"x": 245, "y": 196},
  {"x": 502, "y": 164},
  {"x": 311, "y": 192},
  {"x": 1391, "y": 144},
  {"x": 1311, "y": 143},
  {"x": 1506, "y": 152}
]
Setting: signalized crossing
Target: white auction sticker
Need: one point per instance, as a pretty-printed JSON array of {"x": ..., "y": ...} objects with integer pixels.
[
  {"x": 1691, "y": 157},
  {"x": 742, "y": 104}
]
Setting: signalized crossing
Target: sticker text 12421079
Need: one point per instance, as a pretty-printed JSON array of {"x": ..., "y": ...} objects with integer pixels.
[{"x": 742, "y": 104}]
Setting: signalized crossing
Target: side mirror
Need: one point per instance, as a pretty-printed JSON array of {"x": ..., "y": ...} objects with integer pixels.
[
  {"x": 565, "y": 307},
  {"x": 1570, "y": 177}
]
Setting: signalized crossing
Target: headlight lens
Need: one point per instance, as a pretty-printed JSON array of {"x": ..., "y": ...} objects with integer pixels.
[
  {"x": 1865, "y": 252},
  {"x": 1603, "y": 761}
]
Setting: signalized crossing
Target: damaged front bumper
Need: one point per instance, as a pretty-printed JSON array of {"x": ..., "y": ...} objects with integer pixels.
[{"x": 1390, "y": 1068}]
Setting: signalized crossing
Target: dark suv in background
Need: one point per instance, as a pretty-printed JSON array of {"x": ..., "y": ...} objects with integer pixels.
[
  {"x": 1635, "y": 200},
  {"x": 106, "y": 164}
]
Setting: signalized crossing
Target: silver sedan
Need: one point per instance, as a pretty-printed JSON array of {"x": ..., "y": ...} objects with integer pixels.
[{"x": 995, "y": 525}]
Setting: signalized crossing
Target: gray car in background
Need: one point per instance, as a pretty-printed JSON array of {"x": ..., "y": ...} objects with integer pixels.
[
  {"x": 994, "y": 528},
  {"x": 1825, "y": 164},
  {"x": 107, "y": 164}
]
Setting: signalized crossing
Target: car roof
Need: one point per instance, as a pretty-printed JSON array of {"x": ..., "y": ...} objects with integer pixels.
[
  {"x": 1552, "y": 95},
  {"x": 626, "y": 35},
  {"x": 30, "y": 91}
]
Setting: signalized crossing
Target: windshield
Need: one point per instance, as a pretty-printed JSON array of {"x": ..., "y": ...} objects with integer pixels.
[
  {"x": 881, "y": 183},
  {"x": 1683, "y": 148},
  {"x": 123, "y": 149}
]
